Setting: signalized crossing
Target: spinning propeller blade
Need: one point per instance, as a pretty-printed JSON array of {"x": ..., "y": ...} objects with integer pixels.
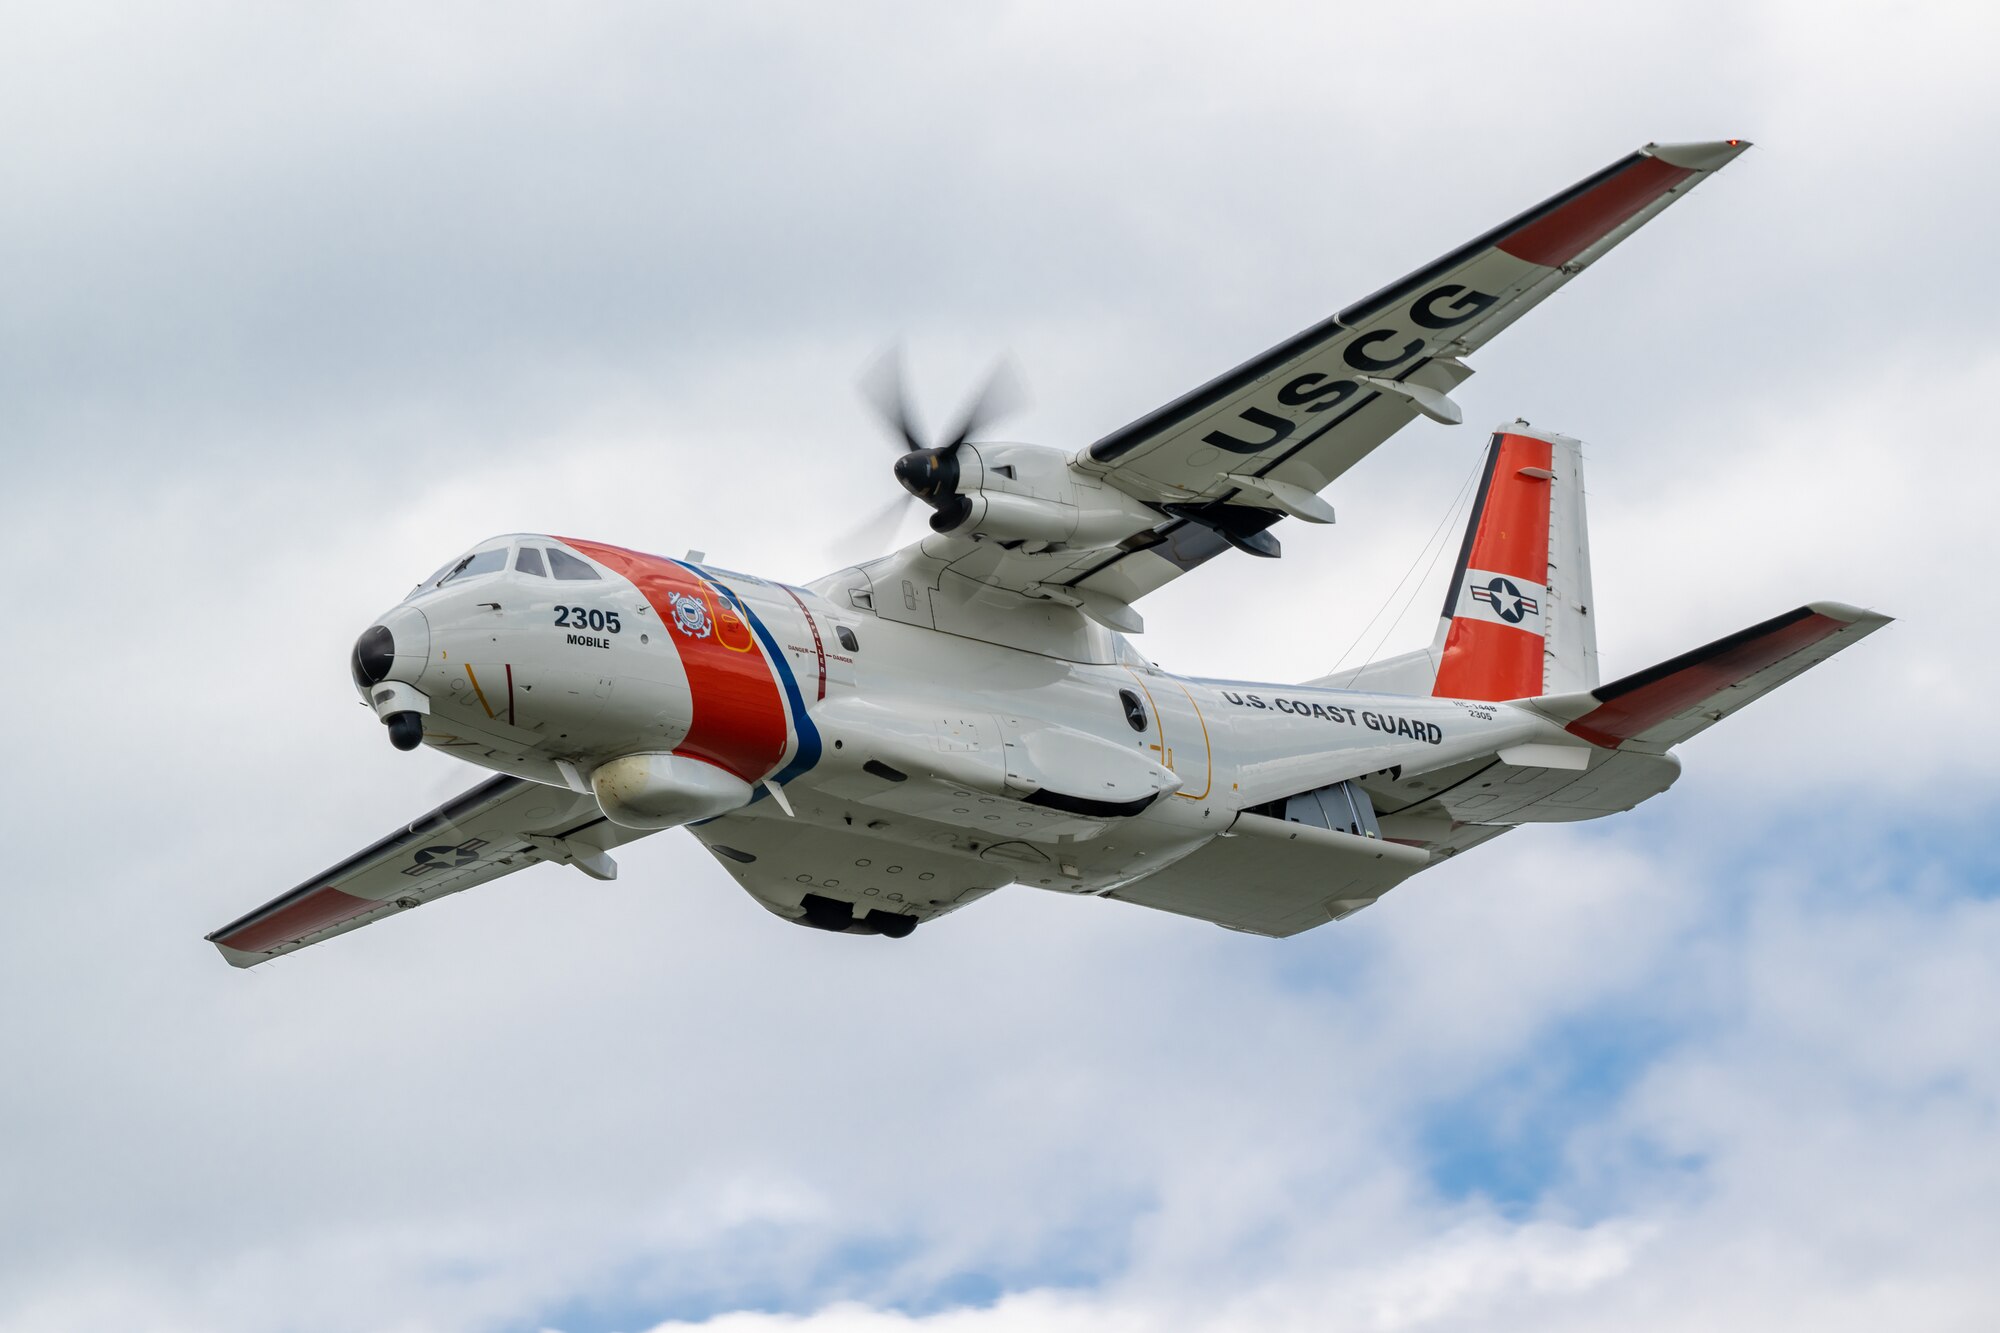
[
  {"x": 872, "y": 535},
  {"x": 883, "y": 387},
  {"x": 1000, "y": 396},
  {"x": 929, "y": 473}
]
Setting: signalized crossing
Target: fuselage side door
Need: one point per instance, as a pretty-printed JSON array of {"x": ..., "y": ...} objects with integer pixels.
[
  {"x": 1179, "y": 737},
  {"x": 1186, "y": 730}
]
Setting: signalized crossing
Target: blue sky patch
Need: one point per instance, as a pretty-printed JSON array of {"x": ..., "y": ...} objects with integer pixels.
[{"x": 1508, "y": 1139}]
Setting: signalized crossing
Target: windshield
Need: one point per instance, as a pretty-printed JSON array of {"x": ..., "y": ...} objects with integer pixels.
[
  {"x": 479, "y": 562},
  {"x": 465, "y": 566},
  {"x": 566, "y": 566}
]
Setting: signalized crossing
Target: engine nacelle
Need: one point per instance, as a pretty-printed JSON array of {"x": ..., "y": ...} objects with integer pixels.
[
  {"x": 655, "y": 791},
  {"x": 1016, "y": 518},
  {"x": 1029, "y": 493}
]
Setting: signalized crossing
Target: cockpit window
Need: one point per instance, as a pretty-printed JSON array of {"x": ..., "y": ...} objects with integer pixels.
[
  {"x": 528, "y": 560},
  {"x": 566, "y": 566},
  {"x": 479, "y": 562},
  {"x": 432, "y": 581}
]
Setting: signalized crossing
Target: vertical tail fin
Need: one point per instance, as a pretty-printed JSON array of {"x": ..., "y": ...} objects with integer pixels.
[{"x": 1517, "y": 620}]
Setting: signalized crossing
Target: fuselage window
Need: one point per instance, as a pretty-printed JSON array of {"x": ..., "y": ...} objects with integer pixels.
[
  {"x": 528, "y": 560},
  {"x": 566, "y": 566},
  {"x": 480, "y": 562},
  {"x": 1135, "y": 712},
  {"x": 847, "y": 639}
]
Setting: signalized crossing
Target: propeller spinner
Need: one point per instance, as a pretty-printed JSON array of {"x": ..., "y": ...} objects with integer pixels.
[{"x": 930, "y": 473}]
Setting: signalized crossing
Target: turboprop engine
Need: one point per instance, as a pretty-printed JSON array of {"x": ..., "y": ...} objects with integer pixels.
[
  {"x": 1001, "y": 492},
  {"x": 656, "y": 791},
  {"x": 1029, "y": 493}
]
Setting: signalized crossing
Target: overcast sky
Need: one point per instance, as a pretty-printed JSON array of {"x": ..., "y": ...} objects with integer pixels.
[{"x": 295, "y": 304}]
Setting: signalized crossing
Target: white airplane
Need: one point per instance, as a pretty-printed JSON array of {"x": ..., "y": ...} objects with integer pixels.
[{"x": 903, "y": 737}]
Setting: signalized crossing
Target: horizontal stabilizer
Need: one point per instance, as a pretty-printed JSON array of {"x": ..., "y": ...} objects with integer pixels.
[{"x": 1666, "y": 704}]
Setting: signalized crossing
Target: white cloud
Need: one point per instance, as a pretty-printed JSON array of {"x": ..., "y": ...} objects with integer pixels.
[{"x": 299, "y": 306}]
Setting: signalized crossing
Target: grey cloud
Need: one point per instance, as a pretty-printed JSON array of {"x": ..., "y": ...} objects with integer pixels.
[{"x": 298, "y": 306}]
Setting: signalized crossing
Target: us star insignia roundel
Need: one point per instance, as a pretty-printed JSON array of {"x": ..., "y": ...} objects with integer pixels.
[
  {"x": 690, "y": 615},
  {"x": 1506, "y": 600}
]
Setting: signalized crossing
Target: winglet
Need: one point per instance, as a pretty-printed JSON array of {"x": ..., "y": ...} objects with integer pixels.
[{"x": 1699, "y": 156}]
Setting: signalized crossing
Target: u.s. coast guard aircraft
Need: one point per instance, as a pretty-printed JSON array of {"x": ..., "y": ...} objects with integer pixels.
[{"x": 902, "y": 737}]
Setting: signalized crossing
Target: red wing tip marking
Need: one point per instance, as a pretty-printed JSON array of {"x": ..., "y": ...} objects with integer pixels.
[
  {"x": 1581, "y": 221},
  {"x": 310, "y": 913},
  {"x": 1572, "y": 227}
]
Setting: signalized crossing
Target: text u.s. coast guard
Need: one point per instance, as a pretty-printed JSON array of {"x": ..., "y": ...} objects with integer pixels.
[{"x": 1387, "y": 723}]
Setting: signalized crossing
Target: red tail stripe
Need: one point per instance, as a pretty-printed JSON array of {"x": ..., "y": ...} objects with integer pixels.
[
  {"x": 1513, "y": 536},
  {"x": 1560, "y": 236},
  {"x": 1484, "y": 659},
  {"x": 738, "y": 721}
]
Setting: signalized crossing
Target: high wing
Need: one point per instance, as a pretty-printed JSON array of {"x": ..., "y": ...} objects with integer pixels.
[
  {"x": 1307, "y": 410},
  {"x": 502, "y": 825},
  {"x": 1223, "y": 463}
]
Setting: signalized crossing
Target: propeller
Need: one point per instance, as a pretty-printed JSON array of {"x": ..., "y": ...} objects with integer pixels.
[{"x": 930, "y": 473}]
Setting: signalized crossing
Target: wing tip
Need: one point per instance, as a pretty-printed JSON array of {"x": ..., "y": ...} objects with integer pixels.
[
  {"x": 236, "y": 957},
  {"x": 1710, "y": 156},
  {"x": 1855, "y": 617}
]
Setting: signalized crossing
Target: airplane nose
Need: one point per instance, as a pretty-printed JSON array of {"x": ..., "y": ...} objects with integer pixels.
[
  {"x": 374, "y": 654},
  {"x": 394, "y": 650},
  {"x": 395, "y": 646}
]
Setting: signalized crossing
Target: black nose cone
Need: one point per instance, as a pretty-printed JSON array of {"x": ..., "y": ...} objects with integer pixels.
[{"x": 374, "y": 654}]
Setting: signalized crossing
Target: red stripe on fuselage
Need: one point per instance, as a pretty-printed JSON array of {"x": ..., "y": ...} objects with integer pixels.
[
  {"x": 1557, "y": 237},
  {"x": 738, "y": 712},
  {"x": 819, "y": 645}
]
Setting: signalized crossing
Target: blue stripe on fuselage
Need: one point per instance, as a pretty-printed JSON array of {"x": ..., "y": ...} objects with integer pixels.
[{"x": 809, "y": 742}]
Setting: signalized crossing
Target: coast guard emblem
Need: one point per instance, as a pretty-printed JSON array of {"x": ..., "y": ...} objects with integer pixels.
[{"x": 690, "y": 615}]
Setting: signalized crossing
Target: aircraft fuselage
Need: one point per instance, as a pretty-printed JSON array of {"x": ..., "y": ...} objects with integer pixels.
[{"x": 677, "y": 692}]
